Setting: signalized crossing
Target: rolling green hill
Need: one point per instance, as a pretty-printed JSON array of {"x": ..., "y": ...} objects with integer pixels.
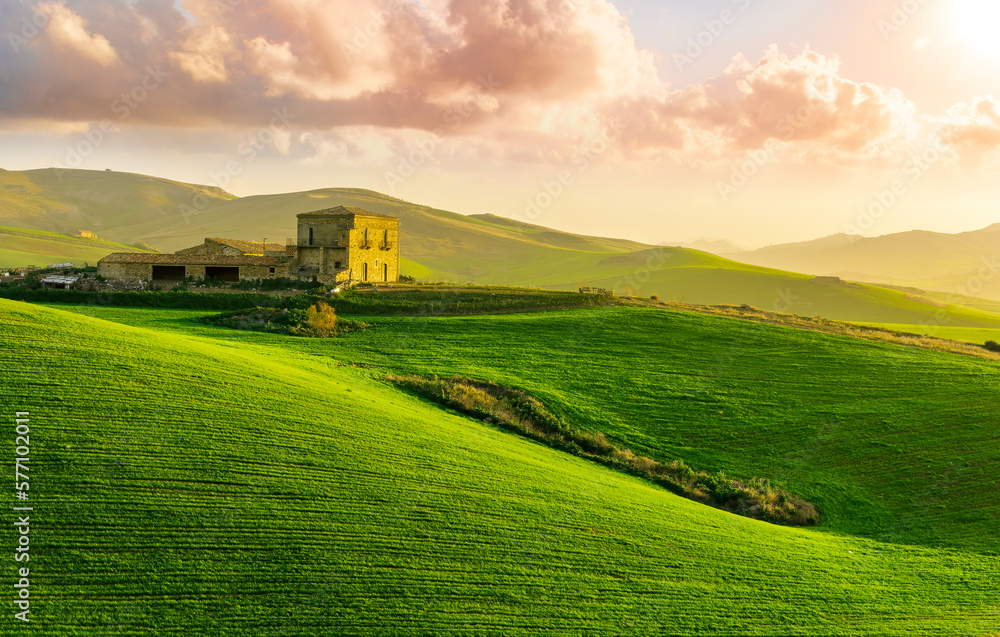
[
  {"x": 251, "y": 484},
  {"x": 171, "y": 215},
  {"x": 21, "y": 247},
  {"x": 121, "y": 207},
  {"x": 443, "y": 245}
]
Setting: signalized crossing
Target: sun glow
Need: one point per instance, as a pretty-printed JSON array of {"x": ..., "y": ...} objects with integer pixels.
[{"x": 976, "y": 23}]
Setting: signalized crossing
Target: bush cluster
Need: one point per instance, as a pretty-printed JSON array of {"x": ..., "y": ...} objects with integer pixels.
[{"x": 318, "y": 320}]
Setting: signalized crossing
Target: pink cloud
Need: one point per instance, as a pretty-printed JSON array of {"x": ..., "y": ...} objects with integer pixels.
[
  {"x": 522, "y": 79},
  {"x": 974, "y": 129},
  {"x": 799, "y": 102},
  {"x": 67, "y": 32}
]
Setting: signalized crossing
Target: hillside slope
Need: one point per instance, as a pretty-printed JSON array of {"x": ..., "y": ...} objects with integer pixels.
[
  {"x": 243, "y": 489},
  {"x": 894, "y": 442}
]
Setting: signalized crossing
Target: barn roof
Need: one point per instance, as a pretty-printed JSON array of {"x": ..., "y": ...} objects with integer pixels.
[
  {"x": 190, "y": 259},
  {"x": 343, "y": 211}
]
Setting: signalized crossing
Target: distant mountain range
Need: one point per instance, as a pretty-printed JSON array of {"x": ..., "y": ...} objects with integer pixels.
[{"x": 964, "y": 263}]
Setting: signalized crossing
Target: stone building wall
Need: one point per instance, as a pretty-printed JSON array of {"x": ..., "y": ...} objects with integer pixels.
[
  {"x": 380, "y": 252},
  {"x": 127, "y": 272},
  {"x": 327, "y": 231}
]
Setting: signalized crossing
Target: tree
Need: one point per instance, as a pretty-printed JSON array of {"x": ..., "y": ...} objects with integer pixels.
[{"x": 321, "y": 319}]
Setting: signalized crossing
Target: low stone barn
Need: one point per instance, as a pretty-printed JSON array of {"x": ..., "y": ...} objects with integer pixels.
[
  {"x": 338, "y": 245},
  {"x": 133, "y": 267}
]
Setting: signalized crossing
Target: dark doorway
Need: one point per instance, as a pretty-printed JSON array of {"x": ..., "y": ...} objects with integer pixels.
[
  {"x": 364, "y": 272},
  {"x": 168, "y": 272},
  {"x": 385, "y": 271},
  {"x": 229, "y": 275}
]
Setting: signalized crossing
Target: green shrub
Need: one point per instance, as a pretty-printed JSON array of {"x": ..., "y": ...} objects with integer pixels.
[{"x": 992, "y": 346}]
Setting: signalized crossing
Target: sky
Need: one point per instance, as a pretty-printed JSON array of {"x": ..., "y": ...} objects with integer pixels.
[{"x": 755, "y": 121}]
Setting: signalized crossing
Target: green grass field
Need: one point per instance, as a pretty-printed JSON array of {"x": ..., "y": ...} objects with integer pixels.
[{"x": 254, "y": 484}]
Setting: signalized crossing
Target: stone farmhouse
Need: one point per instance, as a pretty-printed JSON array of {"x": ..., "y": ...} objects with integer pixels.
[{"x": 341, "y": 245}]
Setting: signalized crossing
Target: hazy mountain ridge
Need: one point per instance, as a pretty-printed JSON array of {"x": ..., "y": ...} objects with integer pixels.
[{"x": 963, "y": 263}]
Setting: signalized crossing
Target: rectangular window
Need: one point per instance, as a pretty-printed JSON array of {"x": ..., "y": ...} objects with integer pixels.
[
  {"x": 312, "y": 236},
  {"x": 385, "y": 271},
  {"x": 364, "y": 272},
  {"x": 271, "y": 270}
]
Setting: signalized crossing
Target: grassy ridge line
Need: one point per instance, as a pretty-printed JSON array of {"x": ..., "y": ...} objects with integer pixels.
[
  {"x": 899, "y": 335},
  {"x": 250, "y": 490},
  {"x": 791, "y": 293},
  {"x": 524, "y": 414}
]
